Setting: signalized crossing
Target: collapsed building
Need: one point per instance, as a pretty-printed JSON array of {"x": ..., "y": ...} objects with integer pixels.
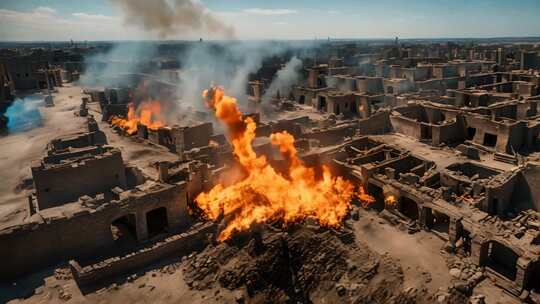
[
  {"x": 443, "y": 138},
  {"x": 475, "y": 208},
  {"x": 114, "y": 205}
]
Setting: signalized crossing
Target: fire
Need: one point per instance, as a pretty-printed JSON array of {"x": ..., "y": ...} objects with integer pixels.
[
  {"x": 365, "y": 199},
  {"x": 148, "y": 113},
  {"x": 390, "y": 200},
  {"x": 264, "y": 194}
]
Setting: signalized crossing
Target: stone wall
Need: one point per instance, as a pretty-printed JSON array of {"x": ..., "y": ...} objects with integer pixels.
[
  {"x": 332, "y": 136},
  {"x": 378, "y": 123},
  {"x": 59, "y": 184},
  {"x": 197, "y": 136},
  {"x": 79, "y": 232},
  {"x": 447, "y": 133},
  {"x": 406, "y": 126},
  {"x": 178, "y": 245}
]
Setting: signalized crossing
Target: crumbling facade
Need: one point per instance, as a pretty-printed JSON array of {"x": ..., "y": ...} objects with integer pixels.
[{"x": 444, "y": 137}]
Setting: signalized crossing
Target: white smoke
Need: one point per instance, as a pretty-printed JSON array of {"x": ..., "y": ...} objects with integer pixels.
[
  {"x": 228, "y": 64},
  {"x": 285, "y": 79},
  {"x": 121, "y": 58}
]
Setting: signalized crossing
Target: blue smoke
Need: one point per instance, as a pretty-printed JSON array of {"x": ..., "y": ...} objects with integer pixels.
[{"x": 23, "y": 114}]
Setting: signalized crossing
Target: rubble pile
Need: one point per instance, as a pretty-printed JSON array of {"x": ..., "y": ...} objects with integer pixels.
[
  {"x": 527, "y": 221},
  {"x": 465, "y": 274},
  {"x": 304, "y": 264}
]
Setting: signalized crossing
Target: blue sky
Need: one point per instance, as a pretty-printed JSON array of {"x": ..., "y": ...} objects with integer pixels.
[{"x": 281, "y": 19}]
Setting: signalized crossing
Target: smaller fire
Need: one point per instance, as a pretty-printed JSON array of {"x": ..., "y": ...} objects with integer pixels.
[
  {"x": 365, "y": 199},
  {"x": 148, "y": 113},
  {"x": 391, "y": 195},
  {"x": 390, "y": 200}
]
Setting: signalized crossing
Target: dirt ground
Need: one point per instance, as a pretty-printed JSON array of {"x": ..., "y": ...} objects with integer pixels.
[
  {"x": 19, "y": 150},
  {"x": 417, "y": 253},
  {"x": 158, "y": 285}
]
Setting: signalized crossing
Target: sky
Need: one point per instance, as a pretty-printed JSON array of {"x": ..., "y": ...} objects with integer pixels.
[{"x": 62, "y": 20}]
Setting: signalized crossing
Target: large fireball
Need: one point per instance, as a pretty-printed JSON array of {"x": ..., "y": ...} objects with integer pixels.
[{"x": 264, "y": 194}]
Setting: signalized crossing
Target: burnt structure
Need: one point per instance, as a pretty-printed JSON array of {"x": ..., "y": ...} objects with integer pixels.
[{"x": 444, "y": 136}]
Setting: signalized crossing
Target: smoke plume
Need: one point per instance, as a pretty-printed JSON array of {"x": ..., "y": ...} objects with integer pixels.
[
  {"x": 199, "y": 64},
  {"x": 105, "y": 68},
  {"x": 167, "y": 18},
  {"x": 228, "y": 64},
  {"x": 284, "y": 79},
  {"x": 24, "y": 114}
]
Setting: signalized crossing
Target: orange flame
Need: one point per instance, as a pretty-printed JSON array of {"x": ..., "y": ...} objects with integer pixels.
[
  {"x": 265, "y": 195},
  {"x": 148, "y": 113},
  {"x": 390, "y": 200},
  {"x": 365, "y": 199}
]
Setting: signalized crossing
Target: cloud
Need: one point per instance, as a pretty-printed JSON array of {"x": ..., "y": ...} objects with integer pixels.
[
  {"x": 44, "y": 23},
  {"x": 44, "y": 10},
  {"x": 92, "y": 17},
  {"x": 269, "y": 12}
]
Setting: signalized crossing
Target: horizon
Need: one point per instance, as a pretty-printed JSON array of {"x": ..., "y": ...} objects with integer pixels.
[{"x": 276, "y": 40}]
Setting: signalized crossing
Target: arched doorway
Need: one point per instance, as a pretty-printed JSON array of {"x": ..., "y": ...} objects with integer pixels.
[
  {"x": 437, "y": 221},
  {"x": 322, "y": 103},
  {"x": 533, "y": 282},
  {"x": 501, "y": 259},
  {"x": 378, "y": 195},
  {"x": 157, "y": 222},
  {"x": 408, "y": 208},
  {"x": 124, "y": 230}
]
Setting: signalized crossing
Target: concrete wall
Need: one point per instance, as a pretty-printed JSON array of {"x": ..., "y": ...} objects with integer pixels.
[
  {"x": 341, "y": 104},
  {"x": 502, "y": 194},
  {"x": 28, "y": 250}
]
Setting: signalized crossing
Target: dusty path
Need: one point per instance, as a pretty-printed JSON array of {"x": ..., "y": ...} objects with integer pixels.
[{"x": 418, "y": 253}]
